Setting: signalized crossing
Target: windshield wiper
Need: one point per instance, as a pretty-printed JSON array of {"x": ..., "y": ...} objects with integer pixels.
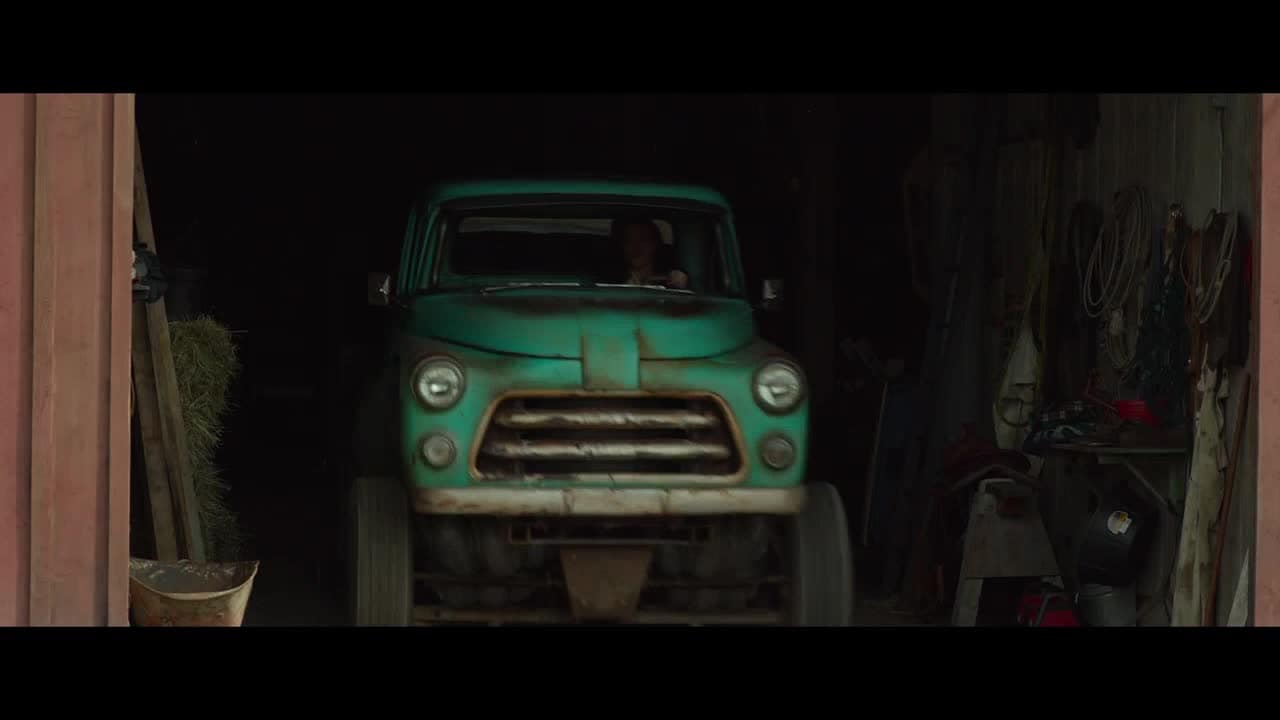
[
  {"x": 645, "y": 287},
  {"x": 526, "y": 285}
]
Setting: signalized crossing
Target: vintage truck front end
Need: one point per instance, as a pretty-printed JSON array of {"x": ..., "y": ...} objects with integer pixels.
[{"x": 577, "y": 451}]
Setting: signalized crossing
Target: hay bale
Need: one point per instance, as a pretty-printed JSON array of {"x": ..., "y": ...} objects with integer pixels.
[{"x": 205, "y": 361}]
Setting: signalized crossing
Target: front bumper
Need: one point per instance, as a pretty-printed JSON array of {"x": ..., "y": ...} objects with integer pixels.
[{"x": 608, "y": 501}]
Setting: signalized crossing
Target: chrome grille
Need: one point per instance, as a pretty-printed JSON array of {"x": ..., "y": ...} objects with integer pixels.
[{"x": 611, "y": 438}]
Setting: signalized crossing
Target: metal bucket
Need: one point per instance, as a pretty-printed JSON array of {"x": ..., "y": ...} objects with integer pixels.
[
  {"x": 189, "y": 594},
  {"x": 1107, "y": 606}
]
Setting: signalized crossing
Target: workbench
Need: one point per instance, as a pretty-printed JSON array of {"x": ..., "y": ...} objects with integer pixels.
[{"x": 1158, "y": 472}]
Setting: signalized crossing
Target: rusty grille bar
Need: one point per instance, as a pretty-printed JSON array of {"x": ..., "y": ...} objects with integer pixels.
[
  {"x": 606, "y": 420},
  {"x": 606, "y": 450}
]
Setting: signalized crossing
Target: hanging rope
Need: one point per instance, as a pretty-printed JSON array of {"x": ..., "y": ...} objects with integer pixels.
[
  {"x": 1119, "y": 257},
  {"x": 1219, "y": 231}
]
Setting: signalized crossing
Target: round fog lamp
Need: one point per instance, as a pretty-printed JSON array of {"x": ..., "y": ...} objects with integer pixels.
[
  {"x": 438, "y": 451},
  {"x": 777, "y": 452}
]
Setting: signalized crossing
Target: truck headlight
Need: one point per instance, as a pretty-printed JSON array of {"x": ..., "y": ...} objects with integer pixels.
[
  {"x": 438, "y": 382},
  {"x": 778, "y": 387}
]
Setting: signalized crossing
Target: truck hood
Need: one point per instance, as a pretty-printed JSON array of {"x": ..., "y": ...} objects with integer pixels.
[{"x": 569, "y": 323}]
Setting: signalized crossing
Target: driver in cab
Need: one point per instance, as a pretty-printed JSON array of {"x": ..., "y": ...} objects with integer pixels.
[{"x": 641, "y": 240}]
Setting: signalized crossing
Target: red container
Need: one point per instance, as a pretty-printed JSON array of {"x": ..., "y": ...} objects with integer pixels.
[
  {"x": 1059, "y": 612},
  {"x": 1136, "y": 410}
]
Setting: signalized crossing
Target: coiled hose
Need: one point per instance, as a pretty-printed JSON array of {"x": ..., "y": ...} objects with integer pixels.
[
  {"x": 1119, "y": 256},
  {"x": 1204, "y": 298}
]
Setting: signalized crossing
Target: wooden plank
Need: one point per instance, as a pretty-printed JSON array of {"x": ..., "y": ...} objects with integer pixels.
[
  {"x": 71, "y": 520},
  {"x": 160, "y": 499},
  {"x": 172, "y": 427},
  {"x": 43, "y": 290},
  {"x": 1197, "y": 169},
  {"x": 17, "y": 161},
  {"x": 119, "y": 428},
  {"x": 1266, "y": 328},
  {"x": 80, "y": 218},
  {"x": 1240, "y": 165},
  {"x": 1242, "y": 183}
]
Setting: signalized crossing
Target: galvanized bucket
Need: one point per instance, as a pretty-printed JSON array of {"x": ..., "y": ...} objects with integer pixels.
[{"x": 189, "y": 594}]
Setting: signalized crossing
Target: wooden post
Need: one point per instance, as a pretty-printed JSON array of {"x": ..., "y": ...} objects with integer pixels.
[{"x": 66, "y": 171}]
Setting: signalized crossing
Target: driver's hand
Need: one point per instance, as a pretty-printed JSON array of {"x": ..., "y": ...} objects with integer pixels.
[{"x": 678, "y": 280}]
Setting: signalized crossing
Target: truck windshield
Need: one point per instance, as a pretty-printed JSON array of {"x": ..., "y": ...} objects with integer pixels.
[{"x": 581, "y": 245}]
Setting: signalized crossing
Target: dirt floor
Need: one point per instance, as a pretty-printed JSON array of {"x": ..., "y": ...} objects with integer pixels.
[
  {"x": 298, "y": 585},
  {"x": 291, "y": 532},
  {"x": 290, "y": 526}
]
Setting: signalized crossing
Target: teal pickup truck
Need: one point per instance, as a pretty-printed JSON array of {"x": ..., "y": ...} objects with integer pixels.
[{"x": 579, "y": 423}]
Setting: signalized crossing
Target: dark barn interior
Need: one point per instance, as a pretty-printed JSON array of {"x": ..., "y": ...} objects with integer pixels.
[
  {"x": 271, "y": 209},
  {"x": 921, "y": 239}
]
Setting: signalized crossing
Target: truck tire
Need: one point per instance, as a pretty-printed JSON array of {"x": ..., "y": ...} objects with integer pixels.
[
  {"x": 380, "y": 553},
  {"x": 821, "y": 562}
]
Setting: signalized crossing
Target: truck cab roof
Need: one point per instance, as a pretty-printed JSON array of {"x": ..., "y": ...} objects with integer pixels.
[{"x": 614, "y": 188}]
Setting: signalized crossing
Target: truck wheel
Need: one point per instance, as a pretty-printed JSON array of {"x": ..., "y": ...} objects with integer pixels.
[
  {"x": 822, "y": 576},
  {"x": 381, "y": 553}
]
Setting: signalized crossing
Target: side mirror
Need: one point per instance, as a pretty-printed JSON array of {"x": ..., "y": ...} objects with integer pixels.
[
  {"x": 771, "y": 294},
  {"x": 379, "y": 289}
]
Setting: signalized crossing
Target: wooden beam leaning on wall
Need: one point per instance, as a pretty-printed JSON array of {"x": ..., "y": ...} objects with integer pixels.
[{"x": 175, "y": 510}]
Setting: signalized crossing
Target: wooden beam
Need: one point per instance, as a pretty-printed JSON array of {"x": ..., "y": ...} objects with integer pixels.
[
  {"x": 65, "y": 229},
  {"x": 79, "y": 397},
  {"x": 172, "y": 426},
  {"x": 1266, "y": 330},
  {"x": 43, "y": 448},
  {"x": 17, "y": 202},
  {"x": 119, "y": 428}
]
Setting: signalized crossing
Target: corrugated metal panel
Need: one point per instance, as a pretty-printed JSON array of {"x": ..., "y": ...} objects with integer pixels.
[
  {"x": 1240, "y": 187},
  {"x": 1198, "y": 154},
  {"x": 1089, "y": 173},
  {"x": 1159, "y": 115},
  {"x": 1108, "y": 157},
  {"x": 1127, "y": 170}
]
